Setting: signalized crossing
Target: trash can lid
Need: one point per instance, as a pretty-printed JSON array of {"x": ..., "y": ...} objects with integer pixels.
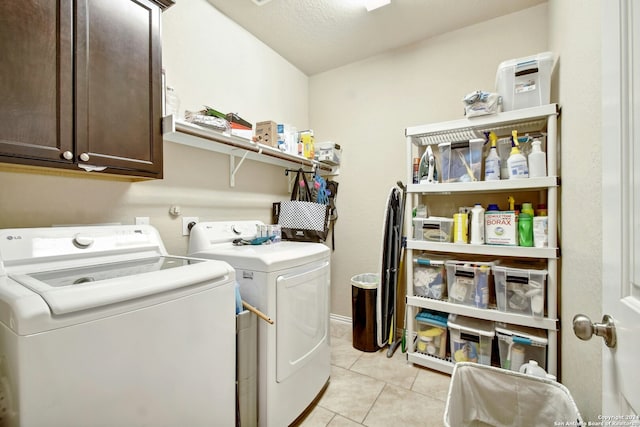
[{"x": 366, "y": 280}]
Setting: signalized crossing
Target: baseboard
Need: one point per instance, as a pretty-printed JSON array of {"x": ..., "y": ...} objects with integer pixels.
[
  {"x": 339, "y": 318},
  {"x": 347, "y": 320}
]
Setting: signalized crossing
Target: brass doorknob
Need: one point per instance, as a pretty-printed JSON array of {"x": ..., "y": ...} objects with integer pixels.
[{"x": 585, "y": 329}]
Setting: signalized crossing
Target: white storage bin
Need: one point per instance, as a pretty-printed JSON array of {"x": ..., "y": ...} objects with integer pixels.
[
  {"x": 520, "y": 290},
  {"x": 525, "y": 82},
  {"x": 471, "y": 339},
  {"x": 429, "y": 278},
  {"x": 431, "y": 328},
  {"x": 328, "y": 152},
  {"x": 518, "y": 345},
  {"x": 433, "y": 229},
  {"x": 470, "y": 283},
  {"x": 460, "y": 161}
]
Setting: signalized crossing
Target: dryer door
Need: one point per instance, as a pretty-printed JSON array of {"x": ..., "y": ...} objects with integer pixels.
[{"x": 302, "y": 317}]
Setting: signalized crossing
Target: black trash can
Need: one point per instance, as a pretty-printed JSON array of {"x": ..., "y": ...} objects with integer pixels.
[{"x": 364, "y": 288}]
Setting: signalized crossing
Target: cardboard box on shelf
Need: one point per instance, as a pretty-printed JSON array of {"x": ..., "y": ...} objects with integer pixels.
[
  {"x": 501, "y": 228},
  {"x": 267, "y": 133},
  {"x": 306, "y": 140}
]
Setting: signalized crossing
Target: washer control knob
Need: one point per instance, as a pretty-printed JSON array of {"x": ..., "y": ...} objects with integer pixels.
[
  {"x": 82, "y": 241},
  {"x": 67, "y": 155},
  {"x": 84, "y": 157},
  {"x": 236, "y": 229}
]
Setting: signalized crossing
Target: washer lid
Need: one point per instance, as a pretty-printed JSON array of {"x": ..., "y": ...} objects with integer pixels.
[
  {"x": 74, "y": 289},
  {"x": 266, "y": 258}
]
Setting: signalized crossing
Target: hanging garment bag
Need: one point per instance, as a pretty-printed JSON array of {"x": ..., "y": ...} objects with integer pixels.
[{"x": 300, "y": 218}]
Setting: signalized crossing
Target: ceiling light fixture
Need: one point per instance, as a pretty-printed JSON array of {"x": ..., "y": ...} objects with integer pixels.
[{"x": 375, "y": 4}]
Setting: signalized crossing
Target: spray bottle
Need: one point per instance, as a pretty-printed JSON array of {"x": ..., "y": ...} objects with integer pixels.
[
  {"x": 517, "y": 162},
  {"x": 492, "y": 162},
  {"x": 537, "y": 160}
]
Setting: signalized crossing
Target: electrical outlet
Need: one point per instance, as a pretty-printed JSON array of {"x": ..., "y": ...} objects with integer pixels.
[
  {"x": 185, "y": 224},
  {"x": 142, "y": 220}
]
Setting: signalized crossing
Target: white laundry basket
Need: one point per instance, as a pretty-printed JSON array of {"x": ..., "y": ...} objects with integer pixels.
[{"x": 481, "y": 395}]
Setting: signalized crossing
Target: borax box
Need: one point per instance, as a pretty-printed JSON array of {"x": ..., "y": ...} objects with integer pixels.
[{"x": 501, "y": 228}]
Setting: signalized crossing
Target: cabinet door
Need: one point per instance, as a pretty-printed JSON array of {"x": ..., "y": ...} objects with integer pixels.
[
  {"x": 118, "y": 86},
  {"x": 36, "y": 66}
]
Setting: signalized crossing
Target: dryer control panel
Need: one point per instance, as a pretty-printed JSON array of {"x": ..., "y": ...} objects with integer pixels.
[
  {"x": 205, "y": 234},
  {"x": 29, "y": 246}
]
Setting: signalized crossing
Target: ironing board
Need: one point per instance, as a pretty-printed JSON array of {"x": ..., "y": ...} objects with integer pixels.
[{"x": 391, "y": 253}]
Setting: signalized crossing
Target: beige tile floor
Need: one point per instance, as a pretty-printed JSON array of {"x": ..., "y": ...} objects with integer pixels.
[{"x": 370, "y": 389}]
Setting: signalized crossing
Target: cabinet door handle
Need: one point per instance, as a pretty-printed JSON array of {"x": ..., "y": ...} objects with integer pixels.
[
  {"x": 84, "y": 157},
  {"x": 67, "y": 155}
]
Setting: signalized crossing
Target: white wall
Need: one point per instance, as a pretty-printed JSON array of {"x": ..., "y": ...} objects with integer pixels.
[
  {"x": 366, "y": 106},
  {"x": 579, "y": 93},
  {"x": 210, "y": 61}
]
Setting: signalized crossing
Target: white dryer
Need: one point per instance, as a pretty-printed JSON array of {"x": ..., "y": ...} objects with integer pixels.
[
  {"x": 290, "y": 283},
  {"x": 100, "y": 327}
]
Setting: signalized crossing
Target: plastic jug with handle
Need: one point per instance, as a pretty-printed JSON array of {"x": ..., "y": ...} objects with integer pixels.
[{"x": 532, "y": 368}]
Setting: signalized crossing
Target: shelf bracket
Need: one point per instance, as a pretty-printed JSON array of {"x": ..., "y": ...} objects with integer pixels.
[{"x": 233, "y": 168}]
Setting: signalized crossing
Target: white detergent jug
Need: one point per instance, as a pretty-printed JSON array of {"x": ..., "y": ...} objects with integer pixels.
[{"x": 532, "y": 368}]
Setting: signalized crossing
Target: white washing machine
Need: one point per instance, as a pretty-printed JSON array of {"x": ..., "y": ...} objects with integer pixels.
[
  {"x": 290, "y": 283},
  {"x": 100, "y": 327}
]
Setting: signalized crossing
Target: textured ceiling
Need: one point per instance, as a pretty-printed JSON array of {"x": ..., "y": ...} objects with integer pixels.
[{"x": 319, "y": 35}]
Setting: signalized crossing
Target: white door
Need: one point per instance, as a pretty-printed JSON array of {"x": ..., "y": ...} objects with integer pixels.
[{"x": 621, "y": 203}]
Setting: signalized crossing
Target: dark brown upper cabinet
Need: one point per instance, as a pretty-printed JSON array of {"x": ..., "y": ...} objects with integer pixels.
[{"x": 80, "y": 85}]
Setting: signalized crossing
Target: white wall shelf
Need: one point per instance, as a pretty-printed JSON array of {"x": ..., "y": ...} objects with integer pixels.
[
  {"x": 185, "y": 133},
  {"x": 481, "y": 313},
  {"x": 431, "y": 362},
  {"x": 486, "y": 186},
  {"x": 528, "y": 120},
  {"x": 461, "y": 248},
  {"x": 542, "y": 120}
]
